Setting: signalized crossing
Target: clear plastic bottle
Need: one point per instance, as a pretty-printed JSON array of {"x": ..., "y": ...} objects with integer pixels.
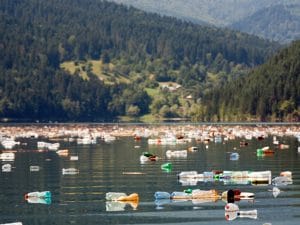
[
  {"x": 162, "y": 195},
  {"x": 112, "y": 196}
]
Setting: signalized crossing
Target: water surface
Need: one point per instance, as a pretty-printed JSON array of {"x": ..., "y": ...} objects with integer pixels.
[{"x": 107, "y": 167}]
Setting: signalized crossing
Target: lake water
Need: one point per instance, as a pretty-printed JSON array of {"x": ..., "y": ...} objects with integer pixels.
[{"x": 115, "y": 167}]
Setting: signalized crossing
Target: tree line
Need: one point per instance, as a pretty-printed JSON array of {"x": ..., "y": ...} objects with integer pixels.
[{"x": 38, "y": 35}]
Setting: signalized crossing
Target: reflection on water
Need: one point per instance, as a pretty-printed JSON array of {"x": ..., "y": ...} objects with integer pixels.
[{"x": 79, "y": 184}]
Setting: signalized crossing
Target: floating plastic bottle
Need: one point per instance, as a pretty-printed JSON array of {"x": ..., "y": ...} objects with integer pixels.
[
  {"x": 205, "y": 194},
  {"x": 34, "y": 168},
  {"x": 177, "y": 195},
  {"x": 208, "y": 176},
  {"x": 134, "y": 197},
  {"x": 15, "y": 223},
  {"x": 236, "y": 195},
  {"x": 232, "y": 211},
  {"x": 7, "y": 156},
  {"x": 162, "y": 195},
  {"x": 70, "y": 171},
  {"x": 37, "y": 200},
  {"x": 74, "y": 158},
  {"x": 286, "y": 174},
  {"x": 166, "y": 167},
  {"x": 120, "y": 196},
  {"x": 260, "y": 177},
  {"x": 146, "y": 156},
  {"x": 188, "y": 174},
  {"x": 6, "y": 167},
  {"x": 282, "y": 181},
  {"x": 176, "y": 154},
  {"x": 38, "y": 194},
  {"x": 112, "y": 196},
  {"x": 234, "y": 156}
]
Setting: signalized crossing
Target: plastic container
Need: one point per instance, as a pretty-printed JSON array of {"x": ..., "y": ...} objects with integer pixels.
[
  {"x": 259, "y": 152},
  {"x": 286, "y": 174},
  {"x": 37, "y": 200},
  {"x": 34, "y": 168},
  {"x": 205, "y": 194},
  {"x": 113, "y": 196},
  {"x": 188, "y": 174},
  {"x": 180, "y": 195},
  {"x": 232, "y": 215},
  {"x": 162, "y": 195},
  {"x": 282, "y": 181},
  {"x": 176, "y": 154},
  {"x": 6, "y": 167},
  {"x": 132, "y": 197},
  {"x": 260, "y": 177},
  {"x": 166, "y": 166},
  {"x": 189, "y": 181},
  {"x": 208, "y": 176},
  {"x": 234, "y": 156},
  {"x": 70, "y": 171},
  {"x": 7, "y": 156},
  {"x": 38, "y": 194}
]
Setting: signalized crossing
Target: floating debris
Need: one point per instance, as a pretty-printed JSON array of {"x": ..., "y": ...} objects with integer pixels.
[
  {"x": 6, "y": 168},
  {"x": 70, "y": 171},
  {"x": 34, "y": 168}
]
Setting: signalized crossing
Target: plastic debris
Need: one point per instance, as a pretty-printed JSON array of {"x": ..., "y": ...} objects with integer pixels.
[
  {"x": 112, "y": 196},
  {"x": 63, "y": 152},
  {"x": 264, "y": 151},
  {"x": 232, "y": 211},
  {"x": 193, "y": 149},
  {"x": 166, "y": 167},
  {"x": 162, "y": 195},
  {"x": 236, "y": 195},
  {"x": 15, "y": 223},
  {"x": 34, "y": 168},
  {"x": 43, "y": 197},
  {"x": 176, "y": 154},
  {"x": 234, "y": 156},
  {"x": 6, "y": 167},
  {"x": 283, "y": 146},
  {"x": 189, "y": 194},
  {"x": 275, "y": 191},
  {"x": 114, "y": 206},
  {"x": 73, "y": 158},
  {"x": 120, "y": 196},
  {"x": 70, "y": 171},
  {"x": 282, "y": 181},
  {"x": 134, "y": 197},
  {"x": 7, "y": 156},
  {"x": 286, "y": 174},
  {"x": 146, "y": 156}
]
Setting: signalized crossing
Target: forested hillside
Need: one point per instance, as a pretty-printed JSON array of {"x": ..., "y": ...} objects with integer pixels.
[
  {"x": 40, "y": 39},
  {"x": 269, "y": 93}
]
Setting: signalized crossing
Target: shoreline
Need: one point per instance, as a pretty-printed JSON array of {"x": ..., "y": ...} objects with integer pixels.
[{"x": 100, "y": 130}]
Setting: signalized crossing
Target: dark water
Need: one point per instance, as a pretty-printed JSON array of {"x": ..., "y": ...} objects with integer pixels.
[{"x": 80, "y": 199}]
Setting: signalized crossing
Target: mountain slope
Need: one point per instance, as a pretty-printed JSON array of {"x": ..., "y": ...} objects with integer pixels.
[
  {"x": 269, "y": 93},
  {"x": 250, "y": 16},
  {"x": 284, "y": 26}
]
